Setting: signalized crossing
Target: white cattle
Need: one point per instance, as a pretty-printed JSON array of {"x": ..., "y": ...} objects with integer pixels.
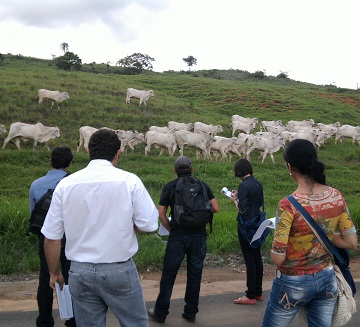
[
  {"x": 139, "y": 138},
  {"x": 310, "y": 135},
  {"x": 160, "y": 129},
  {"x": 226, "y": 145},
  {"x": 200, "y": 141},
  {"x": 306, "y": 123},
  {"x": 244, "y": 119},
  {"x": 348, "y": 131},
  {"x": 162, "y": 140},
  {"x": 330, "y": 128},
  {"x": 276, "y": 129},
  {"x": 84, "y": 138},
  {"x": 53, "y": 96},
  {"x": 265, "y": 123},
  {"x": 37, "y": 133},
  {"x": 2, "y": 129},
  {"x": 204, "y": 128},
  {"x": 241, "y": 126},
  {"x": 179, "y": 126},
  {"x": 142, "y": 95},
  {"x": 125, "y": 137},
  {"x": 265, "y": 146}
]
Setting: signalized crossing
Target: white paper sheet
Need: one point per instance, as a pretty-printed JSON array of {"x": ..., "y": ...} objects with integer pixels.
[
  {"x": 267, "y": 223},
  {"x": 162, "y": 230},
  {"x": 64, "y": 302}
]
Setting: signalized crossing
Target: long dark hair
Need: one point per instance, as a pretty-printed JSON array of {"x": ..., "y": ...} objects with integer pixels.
[{"x": 302, "y": 156}]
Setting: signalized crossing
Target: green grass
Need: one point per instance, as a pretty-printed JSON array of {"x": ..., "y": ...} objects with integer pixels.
[{"x": 99, "y": 100}]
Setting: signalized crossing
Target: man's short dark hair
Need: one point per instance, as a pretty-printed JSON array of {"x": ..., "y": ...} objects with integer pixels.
[
  {"x": 104, "y": 144},
  {"x": 242, "y": 168},
  {"x": 61, "y": 157}
]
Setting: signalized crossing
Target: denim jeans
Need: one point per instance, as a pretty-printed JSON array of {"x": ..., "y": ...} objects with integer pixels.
[
  {"x": 317, "y": 292},
  {"x": 194, "y": 247},
  {"x": 97, "y": 287},
  {"x": 45, "y": 292},
  {"x": 254, "y": 267}
]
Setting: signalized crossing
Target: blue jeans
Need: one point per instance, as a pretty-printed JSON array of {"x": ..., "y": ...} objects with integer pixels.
[
  {"x": 97, "y": 287},
  {"x": 317, "y": 292},
  {"x": 194, "y": 247}
]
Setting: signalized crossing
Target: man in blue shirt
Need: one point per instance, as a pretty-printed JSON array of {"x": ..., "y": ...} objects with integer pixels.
[{"x": 60, "y": 159}]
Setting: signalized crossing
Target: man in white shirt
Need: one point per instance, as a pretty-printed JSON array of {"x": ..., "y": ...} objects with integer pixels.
[{"x": 99, "y": 208}]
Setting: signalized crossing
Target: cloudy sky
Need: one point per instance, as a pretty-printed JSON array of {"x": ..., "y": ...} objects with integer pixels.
[{"x": 315, "y": 41}]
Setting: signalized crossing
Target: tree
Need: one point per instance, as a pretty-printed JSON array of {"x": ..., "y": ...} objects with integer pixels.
[
  {"x": 283, "y": 75},
  {"x": 64, "y": 47},
  {"x": 2, "y": 57},
  {"x": 190, "y": 61},
  {"x": 136, "y": 63},
  {"x": 69, "y": 61}
]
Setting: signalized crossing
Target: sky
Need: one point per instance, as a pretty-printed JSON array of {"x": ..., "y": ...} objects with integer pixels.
[{"x": 313, "y": 41}]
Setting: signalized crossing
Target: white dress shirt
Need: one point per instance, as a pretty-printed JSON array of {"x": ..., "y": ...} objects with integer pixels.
[{"x": 97, "y": 208}]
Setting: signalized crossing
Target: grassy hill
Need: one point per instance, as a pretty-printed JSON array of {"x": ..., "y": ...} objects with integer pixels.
[{"x": 98, "y": 99}]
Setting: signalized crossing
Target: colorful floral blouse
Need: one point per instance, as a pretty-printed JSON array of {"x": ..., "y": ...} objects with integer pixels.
[{"x": 294, "y": 238}]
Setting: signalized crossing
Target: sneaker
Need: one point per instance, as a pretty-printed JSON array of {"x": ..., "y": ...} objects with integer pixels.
[
  {"x": 188, "y": 318},
  {"x": 155, "y": 317}
]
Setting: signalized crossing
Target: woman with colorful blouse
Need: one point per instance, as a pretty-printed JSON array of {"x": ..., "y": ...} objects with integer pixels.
[{"x": 305, "y": 275}]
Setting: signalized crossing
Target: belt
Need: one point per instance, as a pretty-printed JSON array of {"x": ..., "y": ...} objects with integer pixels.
[{"x": 278, "y": 273}]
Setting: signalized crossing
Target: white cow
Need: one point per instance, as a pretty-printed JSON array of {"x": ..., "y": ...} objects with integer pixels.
[
  {"x": 125, "y": 137},
  {"x": 241, "y": 126},
  {"x": 2, "y": 129},
  {"x": 265, "y": 146},
  {"x": 349, "y": 131},
  {"x": 276, "y": 129},
  {"x": 142, "y": 95},
  {"x": 162, "y": 140},
  {"x": 139, "y": 138},
  {"x": 226, "y": 145},
  {"x": 84, "y": 138},
  {"x": 205, "y": 128},
  {"x": 160, "y": 129},
  {"x": 38, "y": 133},
  {"x": 306, "y": 123},
  {"x": 265, "y": 123},
  {"x": 179, "y": 126},
  {"x": 310, "y": 135},
  {"x": 200, "y": 141},
  {"x": 53, "y": 96},
  {"x": 244, "y": 119}
]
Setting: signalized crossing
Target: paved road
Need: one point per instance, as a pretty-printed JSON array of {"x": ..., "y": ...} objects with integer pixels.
[{"x": 214, "y": 310}]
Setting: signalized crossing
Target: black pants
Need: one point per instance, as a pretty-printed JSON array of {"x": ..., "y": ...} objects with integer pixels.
[
  {"x": 45, "y": 292},
  {"x": 254, "y": 267}
]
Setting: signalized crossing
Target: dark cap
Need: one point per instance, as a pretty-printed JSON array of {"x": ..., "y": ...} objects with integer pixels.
[{"x": 183, "y": 162}]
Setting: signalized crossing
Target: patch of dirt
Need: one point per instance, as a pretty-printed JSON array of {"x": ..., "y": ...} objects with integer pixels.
[{"x": 221, "y": 274}]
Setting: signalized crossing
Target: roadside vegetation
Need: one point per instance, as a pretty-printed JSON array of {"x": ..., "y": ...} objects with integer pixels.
[{"x": 211, "y": 97}]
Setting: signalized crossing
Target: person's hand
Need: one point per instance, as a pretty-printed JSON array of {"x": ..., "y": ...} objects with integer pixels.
[
  {"x": 57, "y": 278},
  {"x": 234, "y": 196}
]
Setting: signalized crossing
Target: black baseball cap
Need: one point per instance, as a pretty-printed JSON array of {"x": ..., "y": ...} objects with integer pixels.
[{"x": 183, "y": 162}]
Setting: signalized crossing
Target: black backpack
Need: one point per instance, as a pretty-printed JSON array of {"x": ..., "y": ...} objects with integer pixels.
[
  {"x": 192, "y": 208},
  {"x": 39, "y": 212}
]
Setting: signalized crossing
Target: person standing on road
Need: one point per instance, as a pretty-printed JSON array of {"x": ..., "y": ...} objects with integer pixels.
[
  {"x": 305, "y": 275},
  {"x": 248, "y": 199},
  {"x": 99, "y": 208},
  {"x": 60, "y": 160},
  {"x": 181, "y": 242}
]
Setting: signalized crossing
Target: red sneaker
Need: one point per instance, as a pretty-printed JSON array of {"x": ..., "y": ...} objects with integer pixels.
[{"x": 244, "y": 300}]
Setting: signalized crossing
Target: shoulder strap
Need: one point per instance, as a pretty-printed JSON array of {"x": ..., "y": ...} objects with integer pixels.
[{"x": 319, "y": 233}]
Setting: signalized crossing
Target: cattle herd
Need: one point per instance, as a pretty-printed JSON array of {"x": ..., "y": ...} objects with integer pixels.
[{"x": 270, "y": 138}]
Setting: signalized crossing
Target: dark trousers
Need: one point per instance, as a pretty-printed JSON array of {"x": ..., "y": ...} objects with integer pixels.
[
  {"x": 254, "y": 267},
  {"x": 194, "y": 248},
  {"x": 45, "y": 292}
]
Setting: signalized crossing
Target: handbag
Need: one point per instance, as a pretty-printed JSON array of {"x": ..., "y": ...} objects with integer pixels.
[
  {"x": 248, "y": 228},
  {"x": 345, "y": 305}
]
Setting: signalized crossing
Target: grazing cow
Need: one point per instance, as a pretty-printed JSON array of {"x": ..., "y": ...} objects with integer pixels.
[
  {"x": 85, "y": 134},
  {"x": 142, "y": 95},
  {"x": 38, "y": 133},
  {"x": 53, "y": 96},
  {"x": 241, "y": 126},
  {"x": 200, "y": 141},
  {"x": 160, "y": 129},
  {"x": 204, "y": 128},
  {"x": 264, "y": 124},
  {"x": 179, "y": 126},
  {"x": 139, "y": 138},
  {"x": 164, "y": 141},
  {"x": 2, "y": 129},
  {"x": 349, "y": 131},
  {"x": 244, "y": 119},
  {"x": 265, "y": 146}
]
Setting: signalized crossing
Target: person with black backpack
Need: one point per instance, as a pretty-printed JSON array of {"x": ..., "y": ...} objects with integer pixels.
[
  {"x": 192, "y": 205},
  {"x": 60, "y": 160}
]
